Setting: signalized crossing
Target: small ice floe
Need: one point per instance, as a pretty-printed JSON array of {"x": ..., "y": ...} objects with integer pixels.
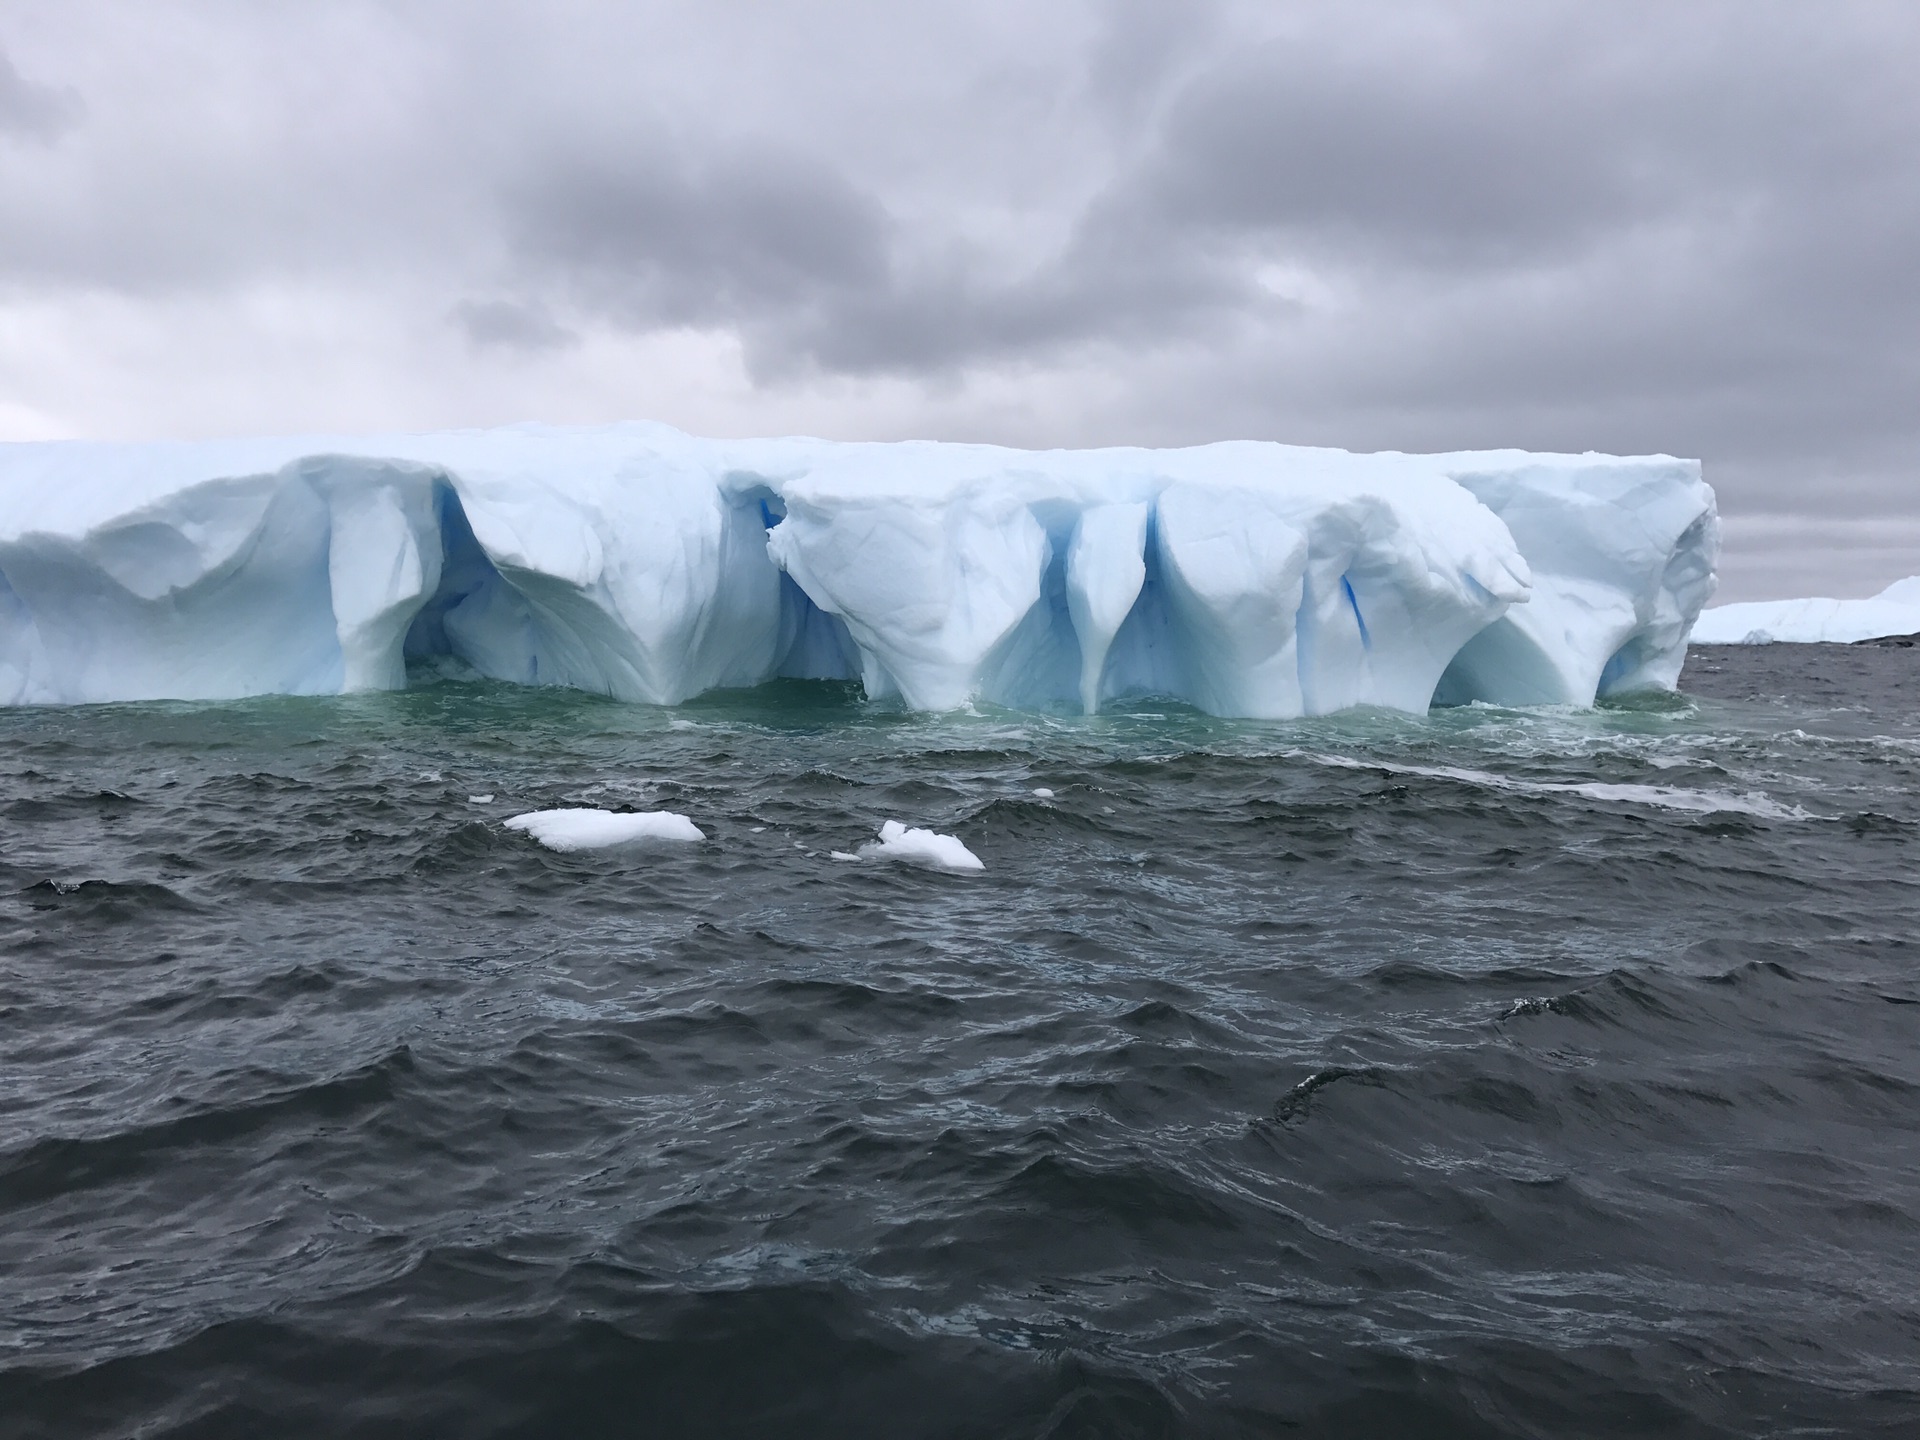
[
  {"x": 758, "y": 828},
  {"x": 582, "y": 829},
  {"x": 920, "y": 847},
  {"x": 479, "y": 799},
  {"x": 840, "y": 855},
  {"x": 1043, "y": 792}
]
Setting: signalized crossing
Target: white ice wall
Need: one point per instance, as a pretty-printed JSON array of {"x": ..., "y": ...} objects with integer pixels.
[{"x": 1248, "y": 578}]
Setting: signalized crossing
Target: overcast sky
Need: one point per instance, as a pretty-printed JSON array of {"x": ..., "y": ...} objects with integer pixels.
[{"x": 1682, "y": 226}]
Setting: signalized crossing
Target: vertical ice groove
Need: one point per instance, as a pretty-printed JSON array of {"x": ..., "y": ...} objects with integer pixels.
[
  {"x": 1234, "y": 564},
  {"x": 1334, "y": 660},
  {"x": 1353, "y": 603},
  {"x": 1106, "y": 566},
  {"x": 927, "y": 591},
  {"x": 21, "y": 655},
  {"x": 383, "y": 561}
]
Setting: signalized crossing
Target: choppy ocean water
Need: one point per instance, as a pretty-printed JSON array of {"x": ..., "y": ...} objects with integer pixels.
[{"x": 1495, "y": 1073}]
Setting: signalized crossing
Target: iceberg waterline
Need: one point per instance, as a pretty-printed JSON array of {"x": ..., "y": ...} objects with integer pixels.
[
  {"x": 1815, "y": 621},
  {"x": 1248, "y": 578}
]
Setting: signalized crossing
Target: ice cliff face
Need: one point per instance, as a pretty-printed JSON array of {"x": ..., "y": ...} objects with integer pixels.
[{"x": 1248, "y": 578}]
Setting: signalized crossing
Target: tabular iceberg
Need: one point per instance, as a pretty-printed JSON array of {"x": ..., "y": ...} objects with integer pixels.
[
  {"x": 1251, "y": 579},
  {"x": 1894, "y": 611}
]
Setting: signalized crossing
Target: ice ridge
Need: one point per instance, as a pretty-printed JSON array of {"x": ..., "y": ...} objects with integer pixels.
[{"x": 1247, "y": 578}]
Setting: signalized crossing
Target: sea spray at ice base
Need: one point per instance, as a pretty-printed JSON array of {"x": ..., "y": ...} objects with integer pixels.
[{"x": 1246, "y": 578}]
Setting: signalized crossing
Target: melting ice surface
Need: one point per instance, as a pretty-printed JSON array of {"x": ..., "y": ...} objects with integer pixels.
[
  {"x": 1247, "y": 578},
  {"x": 1894, "y": 611}
]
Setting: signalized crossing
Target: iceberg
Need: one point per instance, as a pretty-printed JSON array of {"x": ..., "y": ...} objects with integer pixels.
[
  {"x": 1817, "y": 621},
  {"x": 1246, "y": 578}
]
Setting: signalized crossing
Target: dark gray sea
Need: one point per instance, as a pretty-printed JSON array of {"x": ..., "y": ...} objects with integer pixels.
[{"x": 1494, "y": 1073}]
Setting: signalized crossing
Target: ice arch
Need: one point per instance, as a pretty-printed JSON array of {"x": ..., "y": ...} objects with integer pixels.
[{"x": 1623, "y": 556}]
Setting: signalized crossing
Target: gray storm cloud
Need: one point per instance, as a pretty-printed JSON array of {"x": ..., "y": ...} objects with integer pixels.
[
  {"x": 1632, "y": 227},
  {"x": 34, "y": 112}
]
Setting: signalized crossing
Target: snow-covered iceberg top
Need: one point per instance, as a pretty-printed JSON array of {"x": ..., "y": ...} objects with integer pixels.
[
  {"x": 1248, "y": 578},
  {"x": 1894, "y": 611}
]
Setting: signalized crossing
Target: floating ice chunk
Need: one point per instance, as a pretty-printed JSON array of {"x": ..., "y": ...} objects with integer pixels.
[
  {"x": 1894, "y": 611},
  {"x": 923, "y": 847},
  {"x": 480, "y": 799},
  {"x": 587, "y": 829},
  {"x": 1042, "y": 792}
]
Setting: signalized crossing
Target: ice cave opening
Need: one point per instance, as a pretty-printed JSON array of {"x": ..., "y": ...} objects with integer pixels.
[{"x": 531, "y": 628}]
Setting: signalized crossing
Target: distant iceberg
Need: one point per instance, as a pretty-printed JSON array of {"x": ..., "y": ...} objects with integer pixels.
[
  {"x": 1894, "y": 611},
  {"x": 1247, "y": 578}
]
